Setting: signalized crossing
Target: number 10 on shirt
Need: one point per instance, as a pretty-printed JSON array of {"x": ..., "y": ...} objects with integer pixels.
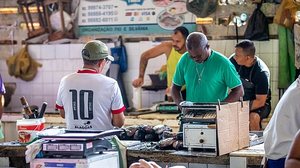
[{"x": 82, "y": 104}]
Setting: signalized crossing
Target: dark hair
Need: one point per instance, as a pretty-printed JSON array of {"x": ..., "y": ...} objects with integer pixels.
[
  {"x": 184, "y": 31},
  {"x": 247, "y": 46},
  {"x": 90, "y": 62}
]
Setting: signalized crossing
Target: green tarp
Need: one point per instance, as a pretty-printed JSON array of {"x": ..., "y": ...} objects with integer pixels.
[{"x": 286, "y": 66}]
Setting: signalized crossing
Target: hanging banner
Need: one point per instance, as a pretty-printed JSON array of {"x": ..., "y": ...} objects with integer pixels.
[{"x": 133, "y": 16}]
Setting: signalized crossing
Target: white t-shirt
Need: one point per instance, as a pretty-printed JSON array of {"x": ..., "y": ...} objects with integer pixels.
[
  {"x": 284, "y": 124},
  {"x": 89, "y": 100}
]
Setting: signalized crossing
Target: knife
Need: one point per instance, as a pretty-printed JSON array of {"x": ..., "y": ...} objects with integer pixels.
[{"x": 43, "y": 109}]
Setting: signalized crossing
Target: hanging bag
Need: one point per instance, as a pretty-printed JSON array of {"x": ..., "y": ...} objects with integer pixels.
[
  {"x": 120, "y": 56},
  {"x": 202, "y": 8},
  {"x": 258, "y": 27}
]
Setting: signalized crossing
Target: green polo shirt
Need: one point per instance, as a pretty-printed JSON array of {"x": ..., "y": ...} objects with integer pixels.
[{"x": 208, "y": 81}]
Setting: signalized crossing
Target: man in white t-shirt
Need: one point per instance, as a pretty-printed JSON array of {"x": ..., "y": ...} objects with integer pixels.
[
  {"x": 283, "y": 126},
  {"x": 88, "y": 99}
]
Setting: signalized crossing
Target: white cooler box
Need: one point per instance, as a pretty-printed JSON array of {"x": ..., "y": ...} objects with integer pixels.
[{"x": 107, "y": 159}]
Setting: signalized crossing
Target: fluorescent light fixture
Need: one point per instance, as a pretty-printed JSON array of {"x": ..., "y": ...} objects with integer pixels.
[
  {"x": 207, "y": 20},
  {"x": 36, "y": 25},
  {"x": 9, "y": 10},
  {"x": 15, "y": 10}
]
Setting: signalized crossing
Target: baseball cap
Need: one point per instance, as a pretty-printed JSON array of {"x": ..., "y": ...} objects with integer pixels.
[{"x": 95, "y": 50}]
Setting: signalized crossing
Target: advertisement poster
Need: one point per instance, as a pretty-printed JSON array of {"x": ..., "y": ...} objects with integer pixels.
[{"x": 133, "y": 16}]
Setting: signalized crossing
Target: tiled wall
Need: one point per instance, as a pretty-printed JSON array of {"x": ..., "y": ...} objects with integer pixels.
[{"x": 59, "y": 60}]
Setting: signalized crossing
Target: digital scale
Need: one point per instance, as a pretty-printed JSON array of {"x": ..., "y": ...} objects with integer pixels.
[
  {"x": 106, "y": 159},
  {"x": 77, "y": 144}
]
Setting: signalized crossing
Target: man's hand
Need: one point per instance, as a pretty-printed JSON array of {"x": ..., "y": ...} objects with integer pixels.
[{"x": 138, "y": 82}]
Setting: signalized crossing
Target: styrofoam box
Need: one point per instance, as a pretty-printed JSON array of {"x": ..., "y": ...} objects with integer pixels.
[{"x": 107, "y": 159}]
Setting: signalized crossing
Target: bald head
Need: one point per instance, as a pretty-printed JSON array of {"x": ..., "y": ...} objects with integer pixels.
[
  {"x": 196, "y": 40},
  {"x": 197, "y": 47}
]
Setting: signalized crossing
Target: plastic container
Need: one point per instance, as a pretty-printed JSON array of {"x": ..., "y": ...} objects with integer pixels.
[{"x": 28, "y": 129}]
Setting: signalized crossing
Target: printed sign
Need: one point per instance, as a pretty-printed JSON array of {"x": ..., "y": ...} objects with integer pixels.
[{"x": 133, "y": 16}]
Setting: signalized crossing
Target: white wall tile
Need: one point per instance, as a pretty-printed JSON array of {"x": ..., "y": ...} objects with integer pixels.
[
  {"x": 196, "y": 165},
  {"x": 48, "y": 77},
  {"x": 37, "y": 100},
  {"x": 47, "y": 89},
  {"x": 76, "y": 64},
  {"x": 266, "y": 47},
  {"x": 48, "y": 65},
  {"x": 7, "y": 51},
  {"x": 130, "y": 75},
  {"x": 274, "y": 101},
  {"x": 219, "y": 45},
  {"x": 59, "y": 65},
  {"x": 55, "y": 89},
  {"x": 274, "y": 86},
  {"x": 62, "y": 51},
  {"x": 3, "y": 65},
  {"x": 275, "y": 46},
  {"x": 257, "y": 46},
  {"x": 267, "y": 58},
  {"x": 35, "y": 51},
  {"x": 145, "y": 99},
  {"x": 37, "y": 89},
  {"x": 75, "y": 50},
  {"x": 216, "y": 166},
  {"x": 274, "y": 73},
  {"x": 39, "y": 77},
  {"x": 15, "y": 102},
  {"x": 134, "y": 55},
  {"x": 50, "y": 100},
  {"x": 229, "y": 47},
  {"x": 48, "y": 51},
  {"x": 68, "y": 65},
  {"x": 57, "y": 76}
]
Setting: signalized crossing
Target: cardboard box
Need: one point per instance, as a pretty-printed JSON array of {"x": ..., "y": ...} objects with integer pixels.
[{"x": 229, "y": 132}]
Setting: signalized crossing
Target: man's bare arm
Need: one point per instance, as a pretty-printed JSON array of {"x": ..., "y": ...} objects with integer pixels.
[
  {"x": 118, "y": 120},
  {"x": 62, "y": 113},
  {"x": 176, "y": 94},
  {"x": 259, "y": 102},
  {"x": 235, "y": 94},
  {"x": 163, "y": 48}
]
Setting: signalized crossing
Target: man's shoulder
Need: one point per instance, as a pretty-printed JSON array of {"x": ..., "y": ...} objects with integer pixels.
[
  {"x": 261, "y": 67},
  {"x": 108, "y": 80},
  {"x": 185, "y": 58},
  {"x": 166, "y": 45}
]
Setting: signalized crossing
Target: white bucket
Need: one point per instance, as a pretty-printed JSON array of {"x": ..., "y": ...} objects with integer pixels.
[{"x": 28, "y": 128}]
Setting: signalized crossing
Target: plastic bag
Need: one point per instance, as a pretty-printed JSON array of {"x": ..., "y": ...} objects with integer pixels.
[
  {"x": 258, "y": 27},
  {"x": 137, "y": 98}
]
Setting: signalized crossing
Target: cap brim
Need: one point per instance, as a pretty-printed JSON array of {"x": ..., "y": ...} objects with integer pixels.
[{"x": 111, "y": 58}]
